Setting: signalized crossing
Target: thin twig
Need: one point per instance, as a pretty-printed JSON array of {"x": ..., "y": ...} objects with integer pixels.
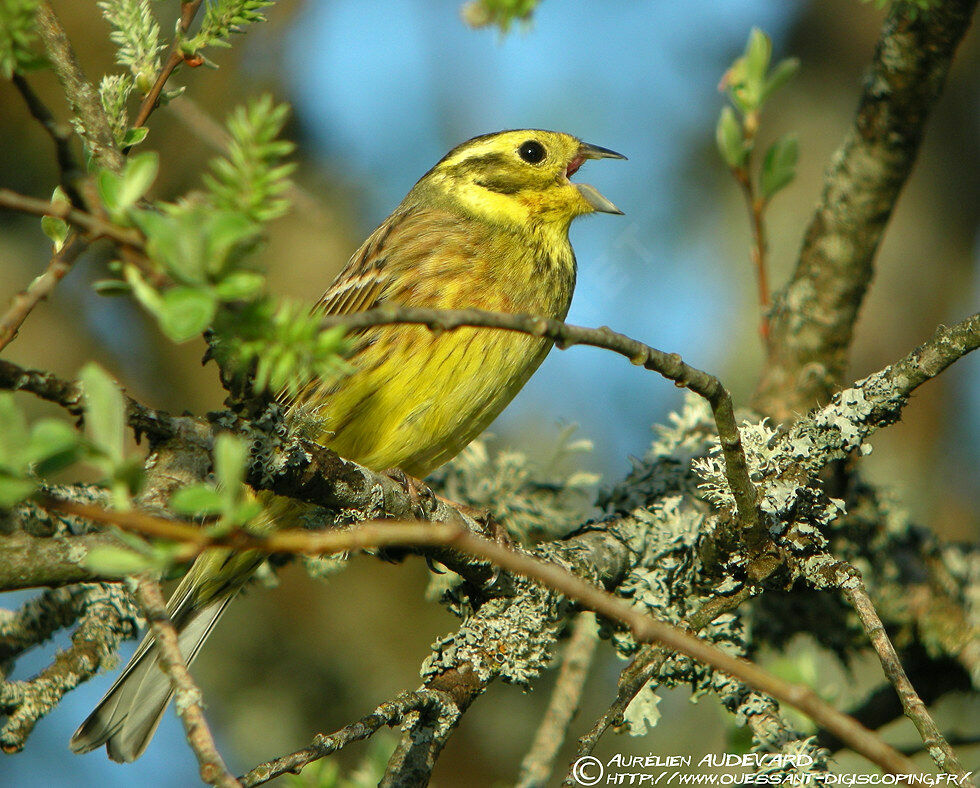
[
  {"x": 647, "y": 664},
  {"x": 758, "y": 250},
  {"x": 61, "y": 136},
  {"x": 39, "y": 289},
  {"x": 643, "y": 628},
  {"x": 188, "y": 701},
  {"x": 539, "y": 762},
  {"x": 174, "y": 59},
  {"x": 564, "y": 335},
  {"x": 936, "y": 744},
  {"x": 388, "y": 714},
  {"x": 93, "y": 225}
]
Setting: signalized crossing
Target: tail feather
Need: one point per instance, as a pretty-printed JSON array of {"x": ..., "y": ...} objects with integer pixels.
[{"x": 127, "y": 717}]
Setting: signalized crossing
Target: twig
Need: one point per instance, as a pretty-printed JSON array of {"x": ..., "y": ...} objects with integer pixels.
[
  {"x": 564, "y": 335},
  {"x": 834, "y": 431},
  {"x": 39, "y": 289},
  {"x": 388, "y": 714},
  {"x": 156, "y": 424},
  {"x": 936, "y": 744},
  {"x": 647, "y": 664},
  {"x": 82, "y": 97},
  {"x": 539, "y": 762},
  {"x": 758, "y": 252},
  {"x": 426, "y": 732},
  {"x": 644, "y": 628},
  {"x": 60, "y": 135},
  {"x": 174, "y": 59},
  {"x": 95, "y": 226},
  {"x": 813, "y": 318},
  {"x": 187, "y": 696},
  {"x": 299, "y": 541}
]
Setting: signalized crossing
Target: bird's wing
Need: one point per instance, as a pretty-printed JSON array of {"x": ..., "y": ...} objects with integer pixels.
[{"x": 362, "y": 283}]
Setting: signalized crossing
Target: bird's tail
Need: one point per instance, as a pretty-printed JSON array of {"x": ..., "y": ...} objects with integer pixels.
[{"x": 127, "y": 717}]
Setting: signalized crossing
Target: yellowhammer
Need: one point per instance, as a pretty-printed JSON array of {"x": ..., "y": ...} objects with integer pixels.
[{"x": 486, "y": 227}]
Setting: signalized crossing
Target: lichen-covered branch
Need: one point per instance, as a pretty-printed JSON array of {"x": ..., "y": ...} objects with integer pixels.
[
  {"x": 106, "y": 616},
  {"x": 813, "y": 316}
]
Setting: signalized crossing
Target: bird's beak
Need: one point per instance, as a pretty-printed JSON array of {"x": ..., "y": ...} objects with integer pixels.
[
  {"x": 596, "y": 152},
  {"x": 590, "y": 193}
]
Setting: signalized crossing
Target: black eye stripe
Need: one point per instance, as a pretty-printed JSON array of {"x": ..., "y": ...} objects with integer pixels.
[{"x": 531, "y": 151}]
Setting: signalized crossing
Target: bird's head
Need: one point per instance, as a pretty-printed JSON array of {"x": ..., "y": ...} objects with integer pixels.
[{"x": 520, "y": 178}]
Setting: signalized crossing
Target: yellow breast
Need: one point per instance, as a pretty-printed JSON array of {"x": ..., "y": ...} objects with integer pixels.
[{"x": 416, "y": 397}]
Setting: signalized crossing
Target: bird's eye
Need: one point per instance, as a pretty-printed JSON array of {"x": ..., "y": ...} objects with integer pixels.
[{"x": 531, "y": 151}]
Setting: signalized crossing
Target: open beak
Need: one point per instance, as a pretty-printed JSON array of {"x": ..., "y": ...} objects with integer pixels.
[{"x": 590, "y": 193}]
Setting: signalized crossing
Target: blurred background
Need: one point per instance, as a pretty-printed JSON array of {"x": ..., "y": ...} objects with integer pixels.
[{"x": 377, "y": 99}]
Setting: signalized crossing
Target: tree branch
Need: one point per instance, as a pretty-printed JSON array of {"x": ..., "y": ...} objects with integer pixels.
[
  {"x": 813, "y": 316},
  {"x": 188, "y": 10},
  {"x": 539, "y": 762},
  {"x": 39, "y": 289},
  {"x": 933, "y": 739},
  {"x": 106, "y": 615},
  {"x": 60, "y": 134},
  {"x": 158, "y": 425},
  {"x": 82, "y": 97},
  {"x": 643, "y": 628}
]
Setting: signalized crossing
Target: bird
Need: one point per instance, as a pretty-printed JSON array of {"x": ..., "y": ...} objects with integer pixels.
[{"x": 486, "y": 227}]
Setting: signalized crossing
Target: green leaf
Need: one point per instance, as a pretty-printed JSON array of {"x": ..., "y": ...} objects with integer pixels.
[
  {"x": 105, "y": 411},
  {"x": 228, "y": 232},
  {"x": 13, "y": 435},
  {"x": 56, "y": 229},
  {"x": 730, "y": 139},
  {"x": 112, "y": 287},
  {"x": 53, "y": 445},
  {"x": 196, "y": 501},
  {"x": 146, "y": 294},
  {"x": 758, "y": 53},
  {"x": 784, "y": 71},
  {"x": 779, "y": 165},
  {"x": 14, "y": 490},
  {"x": 186, "y": 311},
  {"x": 134, "y": 136},
  {"x": 240, "y": 286},
  {"x": 117, "y": 561},
  {"x": 140, "y": 172},
  {"x": 110, "y": 186},
  {"x": 230, "y": 456}
]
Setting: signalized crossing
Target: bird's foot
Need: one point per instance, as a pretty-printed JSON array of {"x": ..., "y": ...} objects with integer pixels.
[{"x": 422, "y": 498}]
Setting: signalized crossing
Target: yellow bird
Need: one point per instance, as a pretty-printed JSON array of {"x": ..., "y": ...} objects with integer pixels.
[{"x": 487, "y": 227}]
